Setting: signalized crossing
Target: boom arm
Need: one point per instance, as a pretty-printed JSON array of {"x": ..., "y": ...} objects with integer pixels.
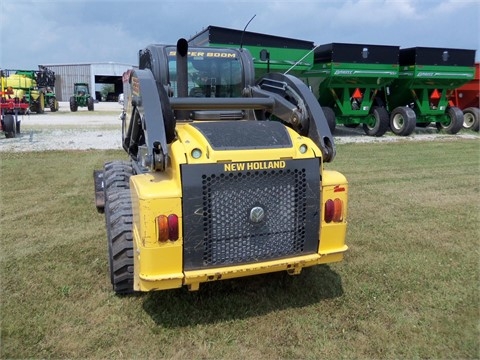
[
  {"x": 296, "y": 106},
  {"x": 151, "y": 122},
  {"x": 151, "y": 126}
]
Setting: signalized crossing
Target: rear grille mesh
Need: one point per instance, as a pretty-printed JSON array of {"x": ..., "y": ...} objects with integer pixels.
[
  {"x": 243, "y": 213},
  {"x": 230, "y": 235}
]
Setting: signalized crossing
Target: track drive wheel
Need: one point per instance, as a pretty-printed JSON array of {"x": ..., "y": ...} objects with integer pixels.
[
  {"x": 380, "y": 127},
  {"x": 330, "y": 116},
  {"x": 455, "y": 115},
  {"x": 9, "y": 126},
  {"x": 471, "y": 118},
  {"x": 403, "y": 121},
  {"x": 118, "y": 220}
]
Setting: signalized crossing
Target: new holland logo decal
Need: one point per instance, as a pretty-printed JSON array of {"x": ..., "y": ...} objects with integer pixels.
[{"x": 254, "y": 165}]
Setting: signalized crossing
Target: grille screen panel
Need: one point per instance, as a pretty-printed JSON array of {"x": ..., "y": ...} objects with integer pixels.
[
  {"x": 239, "y": 217},
  {"x": 232, "y": 237}
]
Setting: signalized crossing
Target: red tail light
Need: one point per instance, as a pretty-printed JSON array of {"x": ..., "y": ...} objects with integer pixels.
[
  {"x": 167, "y": 227},
  {"x": 333, "y": 210},
  {"x": 173, "y": 227}
]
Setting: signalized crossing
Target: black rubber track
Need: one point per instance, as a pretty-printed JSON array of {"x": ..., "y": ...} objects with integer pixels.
[{"x": 118, "y": 220}]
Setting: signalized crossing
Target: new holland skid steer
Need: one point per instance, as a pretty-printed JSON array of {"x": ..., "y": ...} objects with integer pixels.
[{"x": 225, "y": 176}]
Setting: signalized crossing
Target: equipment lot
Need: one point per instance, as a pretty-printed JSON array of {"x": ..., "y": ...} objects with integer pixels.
[
  {"x": 408, "y": 287},
  {"x": 101, "y": 129}
]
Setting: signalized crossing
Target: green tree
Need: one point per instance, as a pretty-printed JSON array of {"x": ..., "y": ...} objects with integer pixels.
[{"x": 107, "y": 88}]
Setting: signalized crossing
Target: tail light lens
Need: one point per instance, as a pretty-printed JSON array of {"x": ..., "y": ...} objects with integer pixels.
[
  {"x": 172, "y": 227},
  {"x": 333, "y": 210},
  {"x": 167, "y": 227}
]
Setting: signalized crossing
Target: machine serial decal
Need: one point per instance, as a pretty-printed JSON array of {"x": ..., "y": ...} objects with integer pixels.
[{"x": 255, "y": 165}]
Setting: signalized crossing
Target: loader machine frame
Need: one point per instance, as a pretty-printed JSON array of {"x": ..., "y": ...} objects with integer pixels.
[{"x": 225, "y": 176}]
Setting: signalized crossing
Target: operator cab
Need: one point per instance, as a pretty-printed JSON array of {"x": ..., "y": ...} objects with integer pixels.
[
  {"x": 81, "y": 89},
  {"x": 210, "y": 73}
]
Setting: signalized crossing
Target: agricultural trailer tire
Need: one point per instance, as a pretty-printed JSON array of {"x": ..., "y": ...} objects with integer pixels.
[
  {"x": 382, "y": 122},
  {"x": 403, "y": 121},
  {"x": 456, "y": 121},
  {"x": 471, "y": 119}
]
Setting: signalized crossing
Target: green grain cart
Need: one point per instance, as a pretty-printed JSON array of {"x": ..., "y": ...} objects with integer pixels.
[
  {"x": 419, "y": 95},
  {"x": 270, "y": 53},
  {"x": 348, "y": 80}
]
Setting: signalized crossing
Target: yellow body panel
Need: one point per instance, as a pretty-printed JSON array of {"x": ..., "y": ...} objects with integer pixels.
[
  {"x": 193, "y": 139},
  {"x": 159, "y": 265},
  {"x": 332, "y": 236}
]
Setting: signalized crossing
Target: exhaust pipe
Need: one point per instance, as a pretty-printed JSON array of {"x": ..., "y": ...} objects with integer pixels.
[{"x": 182, "y": 68}]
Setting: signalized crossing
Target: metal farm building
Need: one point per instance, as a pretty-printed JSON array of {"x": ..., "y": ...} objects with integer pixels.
[{"x": 91, "y": 73}]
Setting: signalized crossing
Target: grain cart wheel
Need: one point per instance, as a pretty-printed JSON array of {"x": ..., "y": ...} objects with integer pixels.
[
  {"x": 118, "y": 219},
  {"x": 455, "y": 124},
  {"x": 403, "y": 121},
  {"x": 73, "y": 104},
  {"x": 380, "y": 127},
  {"x": 331, "y": 119},
  {"x": 471, "y": 118},
  {"x": 90, "y": 104},
  {"x": 9, "y": 126}
]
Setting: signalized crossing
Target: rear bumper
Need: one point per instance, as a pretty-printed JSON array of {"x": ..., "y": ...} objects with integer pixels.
[{"x": 193, "y": 278}]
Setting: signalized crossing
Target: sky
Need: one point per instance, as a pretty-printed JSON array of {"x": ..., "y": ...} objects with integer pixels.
[{"x": 34, "y": 32}]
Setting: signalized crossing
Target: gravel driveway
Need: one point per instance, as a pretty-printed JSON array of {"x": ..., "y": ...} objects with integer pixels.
[
  {"x": 82, "y": 130},
  {"x": 101, "y": 129}
]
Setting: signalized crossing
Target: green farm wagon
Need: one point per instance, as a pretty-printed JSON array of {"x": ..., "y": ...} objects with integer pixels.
[
  {"x": 418, "y": 96},
  {"x": 270, "y": 53},
  {"x": 347, "y": 80}
]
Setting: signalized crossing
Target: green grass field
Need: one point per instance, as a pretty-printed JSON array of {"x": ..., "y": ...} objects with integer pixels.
[{"x": 408, "y": 287}]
